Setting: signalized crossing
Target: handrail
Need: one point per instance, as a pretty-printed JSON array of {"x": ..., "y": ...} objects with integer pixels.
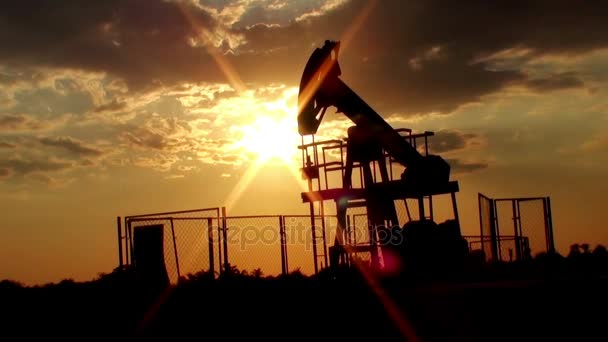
[{"x": 317, "y": 143}]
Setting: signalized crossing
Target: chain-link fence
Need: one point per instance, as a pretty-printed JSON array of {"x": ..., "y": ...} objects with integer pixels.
[
  {"x": 254, "y": 244},
  {"x": 514, "y": 228},
  {"x": 188, "y": 240},
  {"x": 206, "y": 240},
  {"x": 533, "y": 223}
]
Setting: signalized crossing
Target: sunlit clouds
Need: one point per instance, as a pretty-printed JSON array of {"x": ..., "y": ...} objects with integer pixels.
[{"x": 174, "y": 130}]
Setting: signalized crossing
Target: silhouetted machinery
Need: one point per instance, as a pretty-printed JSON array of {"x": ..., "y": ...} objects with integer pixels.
[{"x": 372, "y": 146}]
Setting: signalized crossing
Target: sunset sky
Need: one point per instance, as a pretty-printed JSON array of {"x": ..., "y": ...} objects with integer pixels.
[{"x": 119, "y": 107}]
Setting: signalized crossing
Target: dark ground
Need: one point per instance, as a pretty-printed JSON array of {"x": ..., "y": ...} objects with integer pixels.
[{"x": 508, "y": 303}]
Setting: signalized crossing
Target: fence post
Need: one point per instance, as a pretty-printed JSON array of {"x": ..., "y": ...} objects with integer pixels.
[
  {"x": 210, "y": 246},
  {"x": 225, "y": 240},
  {"x": 517, "y": 229},
  {"x": 119, "y": 231},
  {"x": 548, "y": 225},
  {"x": 494, "y": 230},
  {"x": 130, "y": 254},
  {"x": 283, "y": 245},
  {"x": 314, "y": 237},
  {"x": 175, "y": 249}
]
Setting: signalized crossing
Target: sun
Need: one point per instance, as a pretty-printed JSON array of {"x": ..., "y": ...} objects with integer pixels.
[{"x": 271, "y": 139}]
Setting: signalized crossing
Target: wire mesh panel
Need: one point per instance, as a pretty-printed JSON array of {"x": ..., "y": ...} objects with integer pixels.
[
  {"x": 505, "y": 221},
  {"x": 192, "y": 244},
  {"x": 405, "y": 212},
  {"x": 532, "y": 220},
  {"x": 298, "y": 239},
  {"x": 254, "y": 244},
  {"x": 487, "y": 241},
  {"x": 359, "y": 227},
  {"x": 191, "y": 240},
  {"x": 507, "y": 248},
  {"x": 521, "y": 226},
  {"x": 331, "y": 227}
]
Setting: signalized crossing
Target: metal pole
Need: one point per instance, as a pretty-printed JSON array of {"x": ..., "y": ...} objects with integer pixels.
[
  {"x": 283, "y": 247},
  {"x": 119, "y": 230},
  {"x": 494, "y": 229},
  {"x": 314, "y": 235},
  {"x": 548, "y": 225},
  {"x": 517, "y": 229},
  {"x": 431, "y": 208},
  {"x": 210, "y": 246},
  {"x": 126, "y": 239},
  {"x": 130, "y": 240},
  {"x": 175, "y": 249},
  {"x": 421, "y": 215},
  {"x": 225, "y": 240},
  {"x": 219, "y": 245},
  {"x": 349, "y": 232},
  {"x": 322, "y": 210}
]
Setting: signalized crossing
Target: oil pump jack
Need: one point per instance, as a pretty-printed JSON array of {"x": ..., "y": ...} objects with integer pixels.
[{"x": 370, "y": 145}]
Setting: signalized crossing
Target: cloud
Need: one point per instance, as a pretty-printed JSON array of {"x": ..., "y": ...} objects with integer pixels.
[
  {"x": 170, "y": 134},
  {"x": 174, "y": 176},
  {"x": 451, "y": 140},
  {"x": 137, "y": 40},
  {"x": 22, "y": 167},
  {"x": 158, "y": 161},
  {"x": 4, "y": 172},
  {"x": 327, "y": 6},
  {"x": 596, "y": 143},
  {"x": 4, "y": 144},
  {"x": 555, "y": 82},
  {"x": 21, "y": 122},
  {"x": 408, "y": 57},
  {"x": 458, "y": 166},
  {"x": 144, "y": 138},
  {"x": 424, "y": 56},
  {"x": 112, "y": 106},
  {"x": 71, "y": 145}
]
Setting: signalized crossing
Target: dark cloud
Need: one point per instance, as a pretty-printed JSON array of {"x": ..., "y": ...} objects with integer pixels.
[
  {"x": 138, "y": 40},
  {"x": 20, "y": 122},
  {"x": 4, "y": 144},
  {"x": 27, "y": 166},
  {"x": 407, "y": 56},
  {"x": 447, "y": 140},
  {"x": 421, "y": 56},
  {"x": 555, "y": 82},
  {"x": 145, "y": 138},
  {"x": 4, "y": 172},
  {"x": 112, "y": 106},
  {"x": 72, "y": 146},
  {"x": 460, "y": 166},
  {"x": 42, "y": 178}
]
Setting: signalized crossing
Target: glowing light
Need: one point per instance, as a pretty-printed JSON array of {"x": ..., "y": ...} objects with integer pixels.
[{"x": 270, "y": 139}]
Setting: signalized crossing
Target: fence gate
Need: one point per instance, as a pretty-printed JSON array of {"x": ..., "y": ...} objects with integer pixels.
[
  {"x": 192, "y": 241},
  {"x": 514, "y": 229}
]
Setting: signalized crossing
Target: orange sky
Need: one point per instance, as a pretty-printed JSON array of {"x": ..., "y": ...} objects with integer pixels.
[{"x": 105, "y": 111}]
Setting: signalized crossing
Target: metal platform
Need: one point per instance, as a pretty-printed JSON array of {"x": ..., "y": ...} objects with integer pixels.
[{"x": 395, "y": 189}]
